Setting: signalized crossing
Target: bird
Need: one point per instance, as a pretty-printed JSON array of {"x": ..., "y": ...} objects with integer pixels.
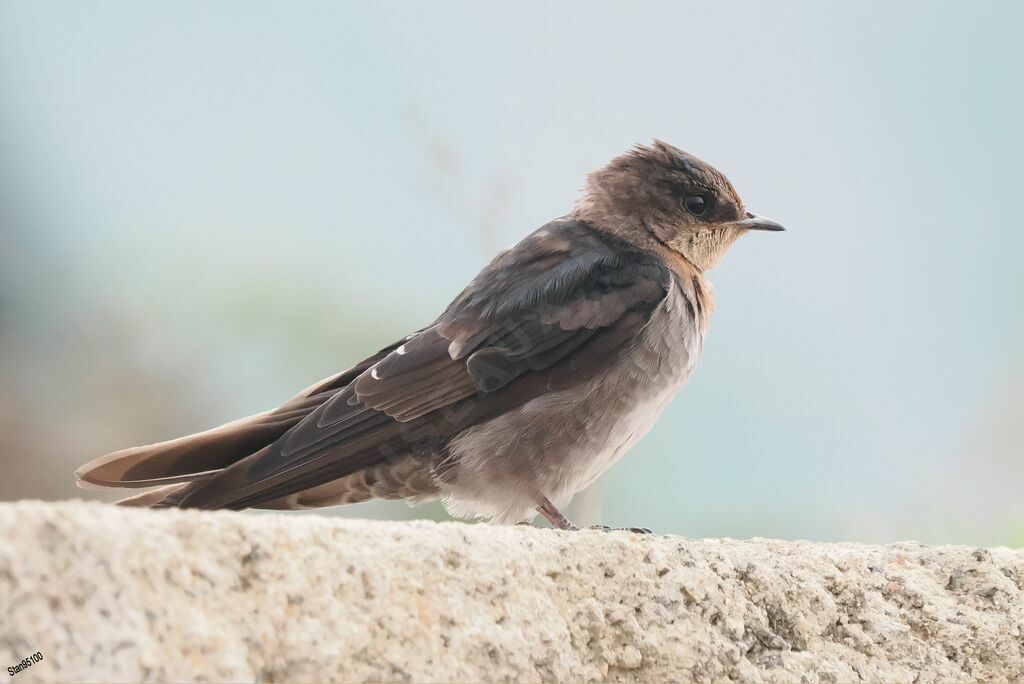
[{"x": 548, "y": 367}]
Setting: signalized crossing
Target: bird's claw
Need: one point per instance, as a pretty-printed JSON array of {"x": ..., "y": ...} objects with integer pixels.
[{"x": 634, "y": 530}]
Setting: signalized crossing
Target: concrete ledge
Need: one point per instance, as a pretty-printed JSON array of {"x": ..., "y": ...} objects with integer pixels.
[{"x": 107, "y": 594}]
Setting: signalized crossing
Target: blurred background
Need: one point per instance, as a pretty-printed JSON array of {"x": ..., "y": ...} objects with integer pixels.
[{"x": 205, "y": 208}]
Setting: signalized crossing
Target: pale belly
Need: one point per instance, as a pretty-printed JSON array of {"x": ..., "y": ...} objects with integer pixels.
[{"x": 559, "y": 443}]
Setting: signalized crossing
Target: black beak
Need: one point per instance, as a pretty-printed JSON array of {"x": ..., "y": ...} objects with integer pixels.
[{"x": 755, "y": 222}]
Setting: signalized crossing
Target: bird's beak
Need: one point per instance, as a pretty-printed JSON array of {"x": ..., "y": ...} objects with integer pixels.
[{"x": 755, "y": 222}]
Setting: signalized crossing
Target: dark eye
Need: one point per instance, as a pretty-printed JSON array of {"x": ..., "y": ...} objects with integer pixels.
[{"x": 696, "y": 204}]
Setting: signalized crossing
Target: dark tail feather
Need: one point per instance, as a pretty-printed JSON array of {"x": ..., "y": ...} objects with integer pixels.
[
  {"x": 192, "y": 457},
  {"x": 199, "y": 456},
  {"x": 182, "y": 464},
  {"x": 154, "y": 497}
]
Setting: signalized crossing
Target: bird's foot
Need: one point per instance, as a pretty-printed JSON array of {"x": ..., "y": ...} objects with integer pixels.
[
  {"x": 559, "y": 521},
  {"x": 634, "y": 530},
  {"x": 554, "y": 516}
]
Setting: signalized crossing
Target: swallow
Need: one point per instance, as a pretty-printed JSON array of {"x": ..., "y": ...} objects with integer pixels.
[{"x": 541, "y": 374}]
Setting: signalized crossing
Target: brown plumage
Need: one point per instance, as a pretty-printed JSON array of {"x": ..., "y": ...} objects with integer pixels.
[{"x": 544, "y": 370}]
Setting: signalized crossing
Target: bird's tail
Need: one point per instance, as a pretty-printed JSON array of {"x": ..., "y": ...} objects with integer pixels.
[
  {"x": 177, "y": 467},
  {"x": 172, "y": 467},
  {"x": 154, "y": 498}
]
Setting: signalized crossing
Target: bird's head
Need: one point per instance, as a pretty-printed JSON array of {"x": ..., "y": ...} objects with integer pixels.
[{"x": 663, "y": 194}]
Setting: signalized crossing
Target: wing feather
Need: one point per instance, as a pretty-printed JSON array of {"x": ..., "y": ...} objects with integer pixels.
[{"x": 544, "y": 314}]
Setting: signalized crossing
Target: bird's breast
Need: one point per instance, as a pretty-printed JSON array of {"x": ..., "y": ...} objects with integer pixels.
[
  {"x": 558, "y": 443},
  {"x": 625, "y": 402}
]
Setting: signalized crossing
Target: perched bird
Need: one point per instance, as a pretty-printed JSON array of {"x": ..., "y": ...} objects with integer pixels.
[{"x": 544, "y": 371}]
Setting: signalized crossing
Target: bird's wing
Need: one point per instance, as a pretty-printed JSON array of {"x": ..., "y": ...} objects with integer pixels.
[{"x": 541, "y": 316}]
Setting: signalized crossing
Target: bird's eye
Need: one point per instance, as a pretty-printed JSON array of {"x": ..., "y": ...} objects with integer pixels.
[{"x": 696, "y": 204}]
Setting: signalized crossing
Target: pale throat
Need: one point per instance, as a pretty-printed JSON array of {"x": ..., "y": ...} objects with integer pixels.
[{"x": 706, "y": 247}]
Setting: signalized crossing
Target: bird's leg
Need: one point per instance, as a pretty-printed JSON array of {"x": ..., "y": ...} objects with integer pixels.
[
  {"x": 559, "y": 521},
  {"x": 554, "y": 516}
]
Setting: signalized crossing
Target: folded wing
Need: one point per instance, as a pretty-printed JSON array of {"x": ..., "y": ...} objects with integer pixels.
[{"x": 542, "y": 315}]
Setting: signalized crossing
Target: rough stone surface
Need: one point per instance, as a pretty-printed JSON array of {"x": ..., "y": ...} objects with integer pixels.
[{"x": 108, "y": 594}]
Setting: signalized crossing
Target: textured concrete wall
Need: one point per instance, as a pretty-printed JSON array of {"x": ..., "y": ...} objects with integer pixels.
[{"x": 107, "y": 594}]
